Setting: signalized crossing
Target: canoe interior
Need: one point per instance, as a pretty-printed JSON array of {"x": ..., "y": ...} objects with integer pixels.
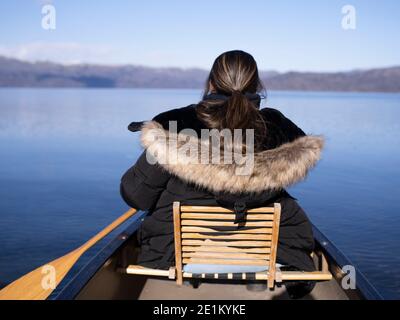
[
  {"x": 109, "y": 284},
  {"x": 100, "y": 279}
]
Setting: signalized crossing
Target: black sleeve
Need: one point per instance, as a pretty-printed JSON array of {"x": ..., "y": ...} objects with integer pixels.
[{"x": 142, "y": 184}]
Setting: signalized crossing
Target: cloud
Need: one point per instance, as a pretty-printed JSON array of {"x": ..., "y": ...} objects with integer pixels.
[{"x": 61, "y": 52}]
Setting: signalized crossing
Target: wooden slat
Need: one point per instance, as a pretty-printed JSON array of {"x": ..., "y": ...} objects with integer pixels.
[
  {"x": 224, "y": 216},
  {"x": 211, "y": 223},
  {"x": 136, "y": 269},
  {"x": 224, "y": 249},
  {"x": 299, "y": 275},
  {"x": 285, "y": 275},
  {"x": 203, "y": 229},
  {"x": 223, "y": 210},
  {"x": 274, "y": 246},
  {"x": 225, "y": 255},
  {"x": 264, "y": 244},
  {"x": 240, "y": 236},
  {"x": 178, "y": 242},
  {"x": 251, "y": 262}
]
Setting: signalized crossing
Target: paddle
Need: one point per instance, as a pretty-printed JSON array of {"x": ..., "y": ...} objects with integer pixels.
[{"x": 40, "y": 283}]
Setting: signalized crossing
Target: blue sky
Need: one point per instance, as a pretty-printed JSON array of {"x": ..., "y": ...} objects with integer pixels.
[{"x": 281, "y": 34}]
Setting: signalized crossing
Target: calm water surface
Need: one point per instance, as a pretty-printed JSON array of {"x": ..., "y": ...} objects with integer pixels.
[{"x": 63, "y": 152}]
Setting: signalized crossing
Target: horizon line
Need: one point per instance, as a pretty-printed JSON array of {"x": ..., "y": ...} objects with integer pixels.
[{"x": 116, "y": 65}]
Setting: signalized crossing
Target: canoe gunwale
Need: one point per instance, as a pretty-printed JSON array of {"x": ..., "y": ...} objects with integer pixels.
[
  {"x": 74, "y": 286},
  {"x": 336, "y": 259}
]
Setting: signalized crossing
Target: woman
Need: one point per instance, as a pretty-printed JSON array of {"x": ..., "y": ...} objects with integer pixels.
[{"x": 281, "y": 155}]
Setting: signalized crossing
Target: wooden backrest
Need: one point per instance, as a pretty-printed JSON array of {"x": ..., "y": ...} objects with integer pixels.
[{"x": 209, "y": 235}]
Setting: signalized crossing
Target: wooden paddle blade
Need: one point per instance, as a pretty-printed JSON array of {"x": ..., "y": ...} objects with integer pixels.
[{"x": 40, "y": 283}]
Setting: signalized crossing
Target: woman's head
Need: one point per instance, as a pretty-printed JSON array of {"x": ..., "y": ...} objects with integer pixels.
[
  {"x": 234, "y": 71},
  {"x": 234, "y": 75}
]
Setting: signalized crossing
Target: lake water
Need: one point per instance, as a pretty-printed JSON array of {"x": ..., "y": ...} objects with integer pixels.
[{"x": 63, "y": 153}]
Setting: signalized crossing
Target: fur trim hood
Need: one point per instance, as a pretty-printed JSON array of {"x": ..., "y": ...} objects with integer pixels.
[{"x": 272, "y": 169}]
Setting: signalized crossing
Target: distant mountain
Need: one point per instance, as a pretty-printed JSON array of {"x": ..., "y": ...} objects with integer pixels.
[{"x": 17, "y": 73}]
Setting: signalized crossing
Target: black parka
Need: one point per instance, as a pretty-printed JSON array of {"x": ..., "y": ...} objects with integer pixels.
[{"x": 286, "y": 157}]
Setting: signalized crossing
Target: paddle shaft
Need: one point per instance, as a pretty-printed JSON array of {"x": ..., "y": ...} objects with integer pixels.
[{"x": 107, "y": 230}]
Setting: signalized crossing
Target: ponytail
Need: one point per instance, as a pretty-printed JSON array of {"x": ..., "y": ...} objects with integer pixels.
[
  {"x": 234, "y": 112},
  {"x": 241, "y": 113},
  {"x": 234, "y": 76}
]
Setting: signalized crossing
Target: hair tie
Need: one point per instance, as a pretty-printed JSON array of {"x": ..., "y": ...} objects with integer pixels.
[{"x": 236, "y": 92}]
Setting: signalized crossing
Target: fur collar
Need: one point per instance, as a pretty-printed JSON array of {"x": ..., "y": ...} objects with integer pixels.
[{"x": 272, "y": 169}]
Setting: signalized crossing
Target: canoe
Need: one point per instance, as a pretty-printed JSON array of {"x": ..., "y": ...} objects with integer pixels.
[{"x": 103, "y": 278}]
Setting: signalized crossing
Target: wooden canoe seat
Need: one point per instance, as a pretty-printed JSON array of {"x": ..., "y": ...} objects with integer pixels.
[{"x": 207, "y": 236}]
